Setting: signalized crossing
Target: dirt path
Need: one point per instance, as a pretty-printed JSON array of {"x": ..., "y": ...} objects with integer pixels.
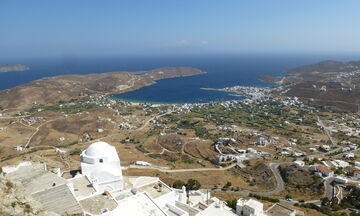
[{"x": 37, "y": 130}]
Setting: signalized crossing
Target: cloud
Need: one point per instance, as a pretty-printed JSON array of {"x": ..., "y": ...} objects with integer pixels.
[
  {"x": 204, "y": 42},
  {"x": 184, "y": 42}
]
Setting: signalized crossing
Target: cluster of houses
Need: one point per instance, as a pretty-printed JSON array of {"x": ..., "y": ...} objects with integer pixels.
[
  {"x": 326, "y": 169},
  {"x": 348, "y": 124}
]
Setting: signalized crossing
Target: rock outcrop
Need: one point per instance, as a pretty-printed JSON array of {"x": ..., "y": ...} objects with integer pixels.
[{"x": 15, "y": 201}]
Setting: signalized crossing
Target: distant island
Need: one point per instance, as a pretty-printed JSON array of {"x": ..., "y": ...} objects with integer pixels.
[{"x": 13, "y": 67}]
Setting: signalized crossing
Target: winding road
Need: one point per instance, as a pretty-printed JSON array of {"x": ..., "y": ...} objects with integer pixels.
[{"x": 279, "y": 181}]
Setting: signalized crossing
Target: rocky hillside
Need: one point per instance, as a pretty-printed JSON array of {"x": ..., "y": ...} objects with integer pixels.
[
  {"x": 258, "y": 174},
  {"x": 301, "y": 181},
  {"x": 15, "y": 201}
]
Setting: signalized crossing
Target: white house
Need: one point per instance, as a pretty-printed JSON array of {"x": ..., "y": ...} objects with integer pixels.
[
  {"x": 142, "y": 163},
  {"x": 299, "y": 163},
  {"x": 357, "y": 174},
  {"x": 324, "y": 171},
  {"x": 357, "y": 164},
  {"x": 249, "y": 207},
  {"x": 325, "y": 147},
  {"x": 349, "y": 156}
]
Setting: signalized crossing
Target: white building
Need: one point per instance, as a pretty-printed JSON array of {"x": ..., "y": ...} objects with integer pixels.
[
  {"x": 357, "y": 164},
  {"x": 100, "y": 163},
  {"x": 226, "y": 140},
  {"x": 299, "y": 163},
  {"x": 325, "y": 147},
  {"x": 261, "y": 141},
  {"x": 249, "y": 207},
  {"x": 357, "y": 174},
  {"x": 324, "y": 171},
  {"x": 349, "y": 156},
  {"x": 142, "y": 163}
]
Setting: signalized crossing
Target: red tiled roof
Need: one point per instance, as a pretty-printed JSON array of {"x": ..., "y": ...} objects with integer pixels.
[
  {"x": 324, "y": 169},
  {"x": 357, "y": 171}
]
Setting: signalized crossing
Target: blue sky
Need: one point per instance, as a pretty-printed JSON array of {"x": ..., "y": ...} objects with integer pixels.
[{"x": 49, "y": 28}]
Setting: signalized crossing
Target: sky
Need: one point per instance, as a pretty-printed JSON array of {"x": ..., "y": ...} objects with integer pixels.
[{"x": 44, "y": 28}]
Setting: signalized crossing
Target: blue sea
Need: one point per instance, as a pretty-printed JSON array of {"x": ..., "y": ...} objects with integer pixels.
[{"x": 222, "y": 71}]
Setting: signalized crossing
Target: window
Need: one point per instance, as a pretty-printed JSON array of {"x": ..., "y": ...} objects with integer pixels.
[{"x": 101, "y": 160}]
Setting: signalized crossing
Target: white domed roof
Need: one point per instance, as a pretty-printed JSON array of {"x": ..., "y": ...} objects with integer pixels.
[{"x": 100, "y": 149}]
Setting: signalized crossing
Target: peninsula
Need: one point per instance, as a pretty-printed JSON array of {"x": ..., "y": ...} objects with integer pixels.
[
  {"x": 51, "y": 90},
  {"x": 13, "y": 67}
]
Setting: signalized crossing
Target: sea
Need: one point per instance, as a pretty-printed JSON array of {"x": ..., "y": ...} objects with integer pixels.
[{"x": 222, "y": 70}]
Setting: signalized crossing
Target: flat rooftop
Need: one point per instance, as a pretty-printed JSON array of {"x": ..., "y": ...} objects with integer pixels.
[
  {"x": 214, "y": 211},
  {"x": 82, "y": 186},
  {"x": 155, "y": 189},
  {"x": 94, "y": 204},
  {"x": 140, "y": 204},
  {"x": 119, "y": 195},
  {"x": 137, "y": 181},
  {"x": 192, "y": 211}
]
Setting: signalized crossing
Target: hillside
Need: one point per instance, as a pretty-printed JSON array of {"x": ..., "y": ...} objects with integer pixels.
[
  {"x": 327, "y": 83},
  {"x": 326, "y": 67}
]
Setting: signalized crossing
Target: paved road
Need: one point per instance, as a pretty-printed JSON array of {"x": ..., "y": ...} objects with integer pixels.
[
  {"x": 279, "y": 181},
  {"x": 184, "y": 170},
  {"x": 328, "y": 187}
]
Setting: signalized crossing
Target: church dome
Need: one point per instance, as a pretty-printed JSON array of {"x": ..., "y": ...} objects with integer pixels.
[{"x": 100, "y": 149}]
